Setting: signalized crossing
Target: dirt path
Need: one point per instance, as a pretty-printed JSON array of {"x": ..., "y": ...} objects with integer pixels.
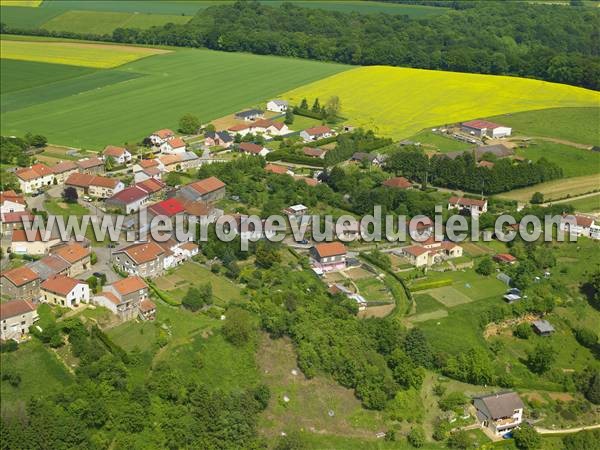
[
  {"x": 555, "y": 140},
  {"x": 570, "y": 199},
  {"x": 567, "y": 430}
]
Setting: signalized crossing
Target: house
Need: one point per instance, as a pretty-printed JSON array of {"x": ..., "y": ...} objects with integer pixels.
[
  {"x": 543, "y": 327},
  {"x": 417, "y": 255},
  {"x": 120, "y": 155},
  {"x": 16, "y": 317},
  {"x": 177, "y": 252},
  {"x": 34, "y": 178},
  {"x": 279, "y": 106},
  {"x": 169, "y": 163},
  {"x": 580, "y": 225},
  {"x": 166, "y": 208},
  {"x": 91, "y": 166},
  {"x": 14, "y": 220},
  {"x": 200, "y": 209},
  {"x": 152, "y": 186},
  {"x": 430, "y": 252},
  {"x": 65, "y": 291},
  {"x": 316, "y": 133},
  {"x": 243, "y": 226},
  {"x": 295, "y": 211},
  {"x": 241, "y": 129},
  {"x": 63, "y": 169},
  {"x": 218, "y": 139},
  {"x": 278, "y": 170},
  {"x": 94, "y": 185},
  {"x": 481, "y": 128},
  {"x": 269, "y": 127},
  {"x": 500, "y": 413},
  {"x": 253, "y": 149},
  {"x": 143, "y": 164},
  {"x": 144, "y": 259},
  {"x": 147, "y": 310},
  {"x": 21, "y": 283},
  {"x": 173, "y": 146},
  {"x": 250, "y": 115},
  {"x": 37, "y": 245},
  {"x": 123, "y": 297},
  {"x": 161, "y": 136},
  {"x": 329, "y": 256},
  {"x": 128, "y": 200},
  {"x": 50, "y": 266},
  {"x": 505, "y": 258},
  {"x": 189, "y": 160},
  {"x": 471, "y": 205},
  {"x": 312, "y": 152},
  {"x": 10, "y": 202},
  {"x": 366, "y": 157},
  {"x": 420, "y": 226},
  {"x": 208, "y": 189},
  {"x": 78, "y": 257},
  {"x": 398, "y": 183}
]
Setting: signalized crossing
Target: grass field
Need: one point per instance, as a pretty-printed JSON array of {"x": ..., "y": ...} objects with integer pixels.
[
  {"x": 579, "y": 125},
  {"x": 587, "y": 204},
  {"x": 60, "y": 208},
  {"x": 75, "y": 54},
  {"x": 574, "y": 162},
  {"x": 438, "y": 142},
  {"x": 21, "y": 3},
  {"x": 399, "y": 102},
  {"x": 557, "y": 189},
  {"x": 152, "y": 93}
]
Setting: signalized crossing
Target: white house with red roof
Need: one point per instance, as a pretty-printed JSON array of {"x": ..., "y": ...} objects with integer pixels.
[
  {"x": 483, "y": 128},
  {"x": 328, "y": 256},
  {"x": 124, "y": 298},
  {"x": 34, "y": 178},
  {"x": 17, "y": 316},
  {"x": 120, "y": 154},
  {"x": 472, "y": 205},
  {"x": 159, "y": 137},
  {"x": 316, "y": 133},
  {"x": 65, "y": 291},
  {"x": 580, "y": 225},
  {"x": 128, "y": 200},
  {"x": 253, "y": 149},
  {"x": 174, "y": 146},
  {"x": 11, "y": 202}
]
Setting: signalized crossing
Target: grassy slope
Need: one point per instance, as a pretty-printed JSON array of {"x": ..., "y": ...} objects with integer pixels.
[
  {"x": 209, "y": 84},
  {"x": 579, "y": 125},
  {"x": 575, "y": 162},
  {"x": 556, "y": 189},
  {"x": 27, "y": 18},
  {"x": 399, "y": 102},
  {"x": 17, "y": 75},
  {"x": 588, "y": 204}
]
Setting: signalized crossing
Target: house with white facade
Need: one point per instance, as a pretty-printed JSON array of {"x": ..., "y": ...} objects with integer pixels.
[
  {"x": 11, "y": 202},
  {"x": 253, "y": 149},
  {"x": 161, "y": 136},
  {"x": 328, "y": 256},
  {"x": 34, "y": 178},
  {"x": 173, "y": 146},
  {"x": 471, "y": 205},
  {"x": 316, "y": 133},
  {"x": 580, "y": 225},
  {"x": 279, "y": 106},
  {"x": 65, "y": 291},
  {"x": 500, "y": 413},
  {"x": 128, "y": 200},
  {"x": 124, "y": 297},
  {"x": 120, "y": 155}
]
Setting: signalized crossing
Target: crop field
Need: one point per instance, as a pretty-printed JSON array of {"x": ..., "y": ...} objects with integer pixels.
[
  {"x": 75, "y": 54},
  {"x": 578, "y": 125},
  {"x": 21, "y": 3},
  {"x": 556, "y": 189},
  {"x": 18, "y": 75},
  {"x": 573, "y": 161},
  {"x": 399, "y": 102},
  {"x": 149, "y": 94}
]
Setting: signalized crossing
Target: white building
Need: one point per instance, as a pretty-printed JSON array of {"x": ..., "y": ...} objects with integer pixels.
[
  {"x": 316, "y": 133},
  {"x": 120, "y": 155},
  {"x": 33, "y": 179},
  {"x": 11, "y": 202},
  {"x": 279, "y": 106},
  {"x": 161, "y": 136},
  {"x": 472, "y": 205},
  {"x": 483, "y": 128},
  {"x": 173, "y": 146},
  {"x": 501, "y": 412},
  {"x": 65, "y": 291},
  {"x": 580, "y": 225}
]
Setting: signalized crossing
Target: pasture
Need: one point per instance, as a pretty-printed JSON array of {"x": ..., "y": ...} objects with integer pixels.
[
  {"x": 101, "y": 56},
  {"x": 578, "y": 125},
  {"x": 150, "y": 94},
  {"x": 439, "y": 142},
  {"x": 556, "y": 189},
  {"x": 399, "y": 102},
  {"x": 586, "y": 205},
  {"x": 574, "y": 162}
]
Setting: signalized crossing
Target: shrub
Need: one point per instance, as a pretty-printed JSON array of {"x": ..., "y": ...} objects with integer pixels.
[
  {"x": 523, "y": 331},
  {"x": 239, "y": 327},
  {"x": 586, "y": 337},
  {"x": 416, "y": 437},
  {"x": 526, "y": 437},
  {"x": 452, "y": 401}
]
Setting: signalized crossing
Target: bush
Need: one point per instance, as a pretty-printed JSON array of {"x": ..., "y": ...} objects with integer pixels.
[
  {"x": 459, "y": 439},
  {"x": 523, "y": 330},
  {"x": 197, "y": 298},
  {"x": 453, "y": 401},
  {"x": 239, "y": 327},
  {"x": 526, "y": 437},
  {"x": 10, "y": 375},
  {"x": 416, "y": 437},
  {"x": 485, "y": 266},
  {"x": 586, "y": 337}
]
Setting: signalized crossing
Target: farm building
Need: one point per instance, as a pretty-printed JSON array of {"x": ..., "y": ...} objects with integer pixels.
[
  {"x": 14, "y": 220},
  {"x": 34, "y": 178},
  {"x": 50, "y": 266},
  {"x": 78, "y": 257},
  {"x": 543, "y": 327},
  {"x": 128, "y": 200},
  {"x": 277, "y": 106},
  {"x": 91, "y": 166},
  {"x": 500, "y": 413},
  {"x": 208, "y": 189},
  {"x": 483, "y": 128},
  {"x": 22, "y": 244},
  {"x": 63, "y": 169}
]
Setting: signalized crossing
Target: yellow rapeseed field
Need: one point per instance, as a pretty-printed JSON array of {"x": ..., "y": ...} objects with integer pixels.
[
  {"x": 28, "y": 3},
  {"x": 399, "y": 102},
  {"x": 101, "y": 56}
]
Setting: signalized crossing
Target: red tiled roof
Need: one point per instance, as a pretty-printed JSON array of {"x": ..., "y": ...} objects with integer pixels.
[
  {"x": 115, "y": 152},
  {"x": 129, "y": 285},
  {"x": 27, "y": 174},
  {"x": 64, "y": 166},
  {"x": 314, "y": 152},
  {"x": 169, "y": 207},
  {"x": 15, "y": 308},
  {"x": 72, "y": 252},
  {"x": 79, "y": 180},
  {"x": 11, "y": 196},
  {"x": 143, "y": 252},
  {"x": 176, "y": 143},
  {"x": 21, "y": 236},
  {"x": 151, "y": 185},
  {"x": 128, "y": 195},
  {"x": 398, "y": 182},
  {"x": 164, "y": 133},
  {"x": 110, "y": 296},
  {"x": 89, "y": 163},
  {"x": 415, "y": 250},
  {"x": 146, "y": 163},
  {"x": 584, "y": 221},
  {"x": 147, "y": 305},
  {"x": 249, "y": 147},
  {"x": 238, "y": 127},
  {"x": 505, "y": 257},
  {"x": 464, "y": 201},
  {"x": 330, "y": 249},
  {"x": 307, "y": 180},
  {"x": 104, "y": 182},
  {"x": 16, "y": 217},
  {"x": 315, "y": 131},
  {"x": 276, "y": 168},
  {"x": 481, "y": 124},
  {"x": 60, "y": 284},
  {"x": 207, "y": 185},
  {"x": 20, "y": 275},
  {"x": 196, "y": 208}
]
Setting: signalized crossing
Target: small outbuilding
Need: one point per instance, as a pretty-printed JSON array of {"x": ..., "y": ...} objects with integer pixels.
[{"x": 543, "y": 327}]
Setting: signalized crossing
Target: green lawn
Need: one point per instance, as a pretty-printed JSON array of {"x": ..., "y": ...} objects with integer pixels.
[
  {"x": 153, "y": 93},
  {"x": 574, "y": 162},
  {"x": 441, "y": 143},
  {"x": 426, "y": 303},
  {"x": 587, "y": 204},
  {"x": 60, "y": 208},
  {"x": 573, "y": 124}
]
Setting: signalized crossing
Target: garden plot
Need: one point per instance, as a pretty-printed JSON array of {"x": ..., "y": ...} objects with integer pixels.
[{"x": 449, "y": 296}]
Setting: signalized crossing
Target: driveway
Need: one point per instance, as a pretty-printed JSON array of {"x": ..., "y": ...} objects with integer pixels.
[{"x": 103, "y": 265}]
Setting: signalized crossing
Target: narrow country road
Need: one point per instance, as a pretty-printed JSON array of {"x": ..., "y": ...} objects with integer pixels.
[
  {"x": 570, "y": 199},
  {"x": 557, "y": 141},
  {"x": 567, "y": 430}
]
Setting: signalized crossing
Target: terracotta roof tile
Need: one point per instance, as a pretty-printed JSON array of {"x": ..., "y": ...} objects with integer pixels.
[
  {"x": 72, "y": 253},
  {"x": 20, "y": 275},
  {"x": 129, "y": 285},
  {"x": 207, "y": 185},
  {"x": 142, "y": 252},
  {"x": 15, "y": 308},
  {"x": 60, "y": 284},
  {"x": 330, "y": 249}
]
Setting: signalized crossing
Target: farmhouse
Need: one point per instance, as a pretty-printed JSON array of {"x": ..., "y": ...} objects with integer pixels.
[
  {"x": 145, "y": 259},
  {"x": 78, "y": 257},
  {"x": 543, "y": 327},
  {"x": 218, "y": 139},
  {"x": 94, "y": 185},
  {"x": 167, "y": 208},
  {"x": 431, "y": 252},
  {"x": 505, "y": 258},
  {"x": 34, "y": 178},
  {"x": 50, "y": 266},
  {"x": 152, "y": 187},
  {"x": 120, "y": 154},
  {"x": 279, "y": 106},
  {"x": 20, "y": 282},
  {"x": 329, "y": 256},
  {"x": 313, "y": 152},
  {"x": 10, "y": 202},
  {"x": 21, "y": 244},
  {"x": 128, "y": 200},
  {"x": 63, "y": 169},
  {"x": 14, "y": 220},
  {"x": 161, "y": 136},
  {"x": 500, "y": 412},
  {"x": 253, "y": 149},
  {"x": 316, "y": 133},
  {"x": 65, "y": 291},
  {"x": 173, "y": 146},
  {"x": 123, "y": 297},
  {"x": 91, "y": 166},
  {"x": 398, "y": 183},
  {"x": 470, "y": 205},
  {"x": 208, "y": 189},
  {"x": 483, "y": 128},
  {"x": 16, "y": 317},
  {"x": 250, "y": 114},
  {"x": 580, "y": 225}
]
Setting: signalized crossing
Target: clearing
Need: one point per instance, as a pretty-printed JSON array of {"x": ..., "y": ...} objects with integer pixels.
[
  {"x": 101, "y": 56},
  {"x": 399, "y": 102}
]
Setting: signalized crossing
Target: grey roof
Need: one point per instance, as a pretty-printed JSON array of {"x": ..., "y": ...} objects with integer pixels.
[
  {"x": 543, "y": 326},
  {"x": 188, "y": 156},
  {"x": 280, "y": 102},
  {"x": 361, "y": 156},
  {"x": 249, "y": 113},
  {"x": 502, "y": 404},
  {"x": 49, "y": 266},
  {"x": 225, "y": 136}
]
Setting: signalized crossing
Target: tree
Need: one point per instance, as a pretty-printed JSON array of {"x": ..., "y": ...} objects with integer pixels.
[
  {"x": 266, "y": 255},
  {"x": 416, "y": 437},
  {"x": 70, "y": 195},
  {"x": 289, "y": 117},
  {"x": 316, "y": 107},
  {"x": 189, "y": 124},
  {"x": 583, "y": 439},
  {"x": 453, "y": 401},
  {"x": 109, "y": 163},
  {"x": 541, "y": 358},
  {"x": 36, "y": 140},
  {"x": 418, "y": 349},
  {"x": 173, "y": 179},
  {"x": 586, "y": 337},
  {"x": 537, "y": 198},
  {"x": 332, "y": 108},
  {"x": 304, "y": 104},
  {"x": 459, "y": 439},
  {"x": 210, "y": 128},
  {"x": 485, "y": 266},
  {"x": 526, "y": 437},
  {"x": 523, "y": 330},
  {"x": 239, "y": 327},
  {"x": 197, "y": 298}
]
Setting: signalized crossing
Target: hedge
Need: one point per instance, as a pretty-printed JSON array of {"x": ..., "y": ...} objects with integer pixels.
[
  {"x": 110, "y": 345},
  {"x": 296, "y": 159},
  {"x": 162, "y": 295},
  {"x": 387, "y": 270},
  {"x": 431, "y": 285}
]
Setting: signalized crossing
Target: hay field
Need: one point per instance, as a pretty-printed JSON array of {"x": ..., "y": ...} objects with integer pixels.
[
  {"x": 399, "y": 102},
  {"x": 99, "y": 56},
  {"x": 557, "y": 189}
]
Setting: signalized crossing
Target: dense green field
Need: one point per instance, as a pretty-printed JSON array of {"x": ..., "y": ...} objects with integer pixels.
[
  {"x": 575, "y": 162},
  {"x": 438, "y": 142},
  {"x": 206, "y": 83},
  {"x": 587, "y": 204},
  {"x": 579, "y": 125}
]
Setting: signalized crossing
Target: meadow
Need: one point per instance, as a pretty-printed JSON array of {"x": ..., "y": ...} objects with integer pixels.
[
  {"x": 434, "y": 141},
  {"x": 574, "y": 162},
  {"x": 587, "y": 204},
  {"x": 578, "y": 125},
  {"x": 73, "y": 53},
  {"x": 151, "y": 93},
  {"x": 399, "y": 102},
  {"x": 556, "y": 189}
]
